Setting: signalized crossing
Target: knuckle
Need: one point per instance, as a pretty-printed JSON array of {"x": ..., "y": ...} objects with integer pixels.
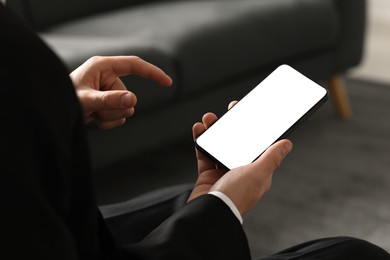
[
  {"x": 276, "y": 161},
  {"x": 105, "y": 98},
  {"x": 268, "y": 184},
  {"x": 135, "y": 58},
  {"x": 95, "y": 59}
]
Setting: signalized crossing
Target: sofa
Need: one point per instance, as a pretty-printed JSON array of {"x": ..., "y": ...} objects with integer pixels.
[{"x": 215, "y": 51}]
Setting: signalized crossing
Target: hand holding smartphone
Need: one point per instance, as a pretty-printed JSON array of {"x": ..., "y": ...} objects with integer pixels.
[{"x": 268, "y": 113}]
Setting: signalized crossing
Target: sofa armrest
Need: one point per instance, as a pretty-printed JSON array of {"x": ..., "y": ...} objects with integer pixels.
[{"x": 352, "y": 33}]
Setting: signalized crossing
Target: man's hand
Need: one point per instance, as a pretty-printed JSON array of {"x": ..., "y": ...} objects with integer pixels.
[
  {"x": 244, "y": 185},
  {"x": 103, "y": 96}
]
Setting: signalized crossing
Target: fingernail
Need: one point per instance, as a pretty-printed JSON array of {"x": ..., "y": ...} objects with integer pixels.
[{"x": 126, "y": 100}]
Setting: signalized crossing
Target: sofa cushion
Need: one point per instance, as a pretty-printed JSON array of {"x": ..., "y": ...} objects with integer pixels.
[{"x": 196, "y": 37}]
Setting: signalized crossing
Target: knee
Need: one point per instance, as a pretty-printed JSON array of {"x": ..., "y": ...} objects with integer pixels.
[{"x": 356, "y": 248}]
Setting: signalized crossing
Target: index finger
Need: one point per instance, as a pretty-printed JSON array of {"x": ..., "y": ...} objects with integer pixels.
[{"x": 125, "y": 65}]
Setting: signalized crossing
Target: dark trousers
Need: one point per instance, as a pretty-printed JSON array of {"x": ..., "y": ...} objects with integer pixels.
[
  {"x": 132, "y": 220},
  {"x": 332, "y": 248}
]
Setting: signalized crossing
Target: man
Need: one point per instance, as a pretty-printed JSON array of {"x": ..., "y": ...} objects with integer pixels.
[{"x": 48, "y": 203}]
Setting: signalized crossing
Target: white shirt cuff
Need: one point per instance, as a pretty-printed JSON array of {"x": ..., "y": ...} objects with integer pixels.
[{"x": 228, "y": 202}]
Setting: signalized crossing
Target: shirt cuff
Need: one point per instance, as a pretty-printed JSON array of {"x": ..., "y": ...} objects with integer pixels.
[{"x": 228, "y": 202}]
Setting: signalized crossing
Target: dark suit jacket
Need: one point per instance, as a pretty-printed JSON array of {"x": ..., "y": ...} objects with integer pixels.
[{"x": 48, "y": 206}]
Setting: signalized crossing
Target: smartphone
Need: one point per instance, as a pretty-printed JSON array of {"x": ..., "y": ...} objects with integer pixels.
[{"x": 268, "y": 113}]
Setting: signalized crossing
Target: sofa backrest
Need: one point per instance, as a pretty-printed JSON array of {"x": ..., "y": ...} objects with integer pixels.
[{"x": 41, "y": 14}]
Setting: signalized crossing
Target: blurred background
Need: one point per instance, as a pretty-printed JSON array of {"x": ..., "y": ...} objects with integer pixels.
[
  {"x": 376, "y": 63},
  {"x": 337, "y": 179}
]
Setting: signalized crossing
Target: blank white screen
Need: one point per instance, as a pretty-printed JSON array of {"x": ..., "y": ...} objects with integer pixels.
[{"x": 261, "y": 117}]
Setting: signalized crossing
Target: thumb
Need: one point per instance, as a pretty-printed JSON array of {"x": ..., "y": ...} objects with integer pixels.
[
  {"x": 271, "y": 159},
  {"x": 110, "y": 100}
]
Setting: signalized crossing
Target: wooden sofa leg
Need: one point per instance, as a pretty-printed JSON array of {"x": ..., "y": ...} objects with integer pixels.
[{"x": 339, "y": 96}]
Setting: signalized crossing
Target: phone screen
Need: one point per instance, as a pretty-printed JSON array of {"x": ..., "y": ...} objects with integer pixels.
[{"x": 272, "y": 110}]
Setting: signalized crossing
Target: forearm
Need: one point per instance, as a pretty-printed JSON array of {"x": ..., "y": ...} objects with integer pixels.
[{"x": 205, "y": 228}]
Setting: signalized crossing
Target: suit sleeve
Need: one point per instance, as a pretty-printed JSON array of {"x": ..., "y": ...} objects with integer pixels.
[{"x": 204, "y": 229}]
